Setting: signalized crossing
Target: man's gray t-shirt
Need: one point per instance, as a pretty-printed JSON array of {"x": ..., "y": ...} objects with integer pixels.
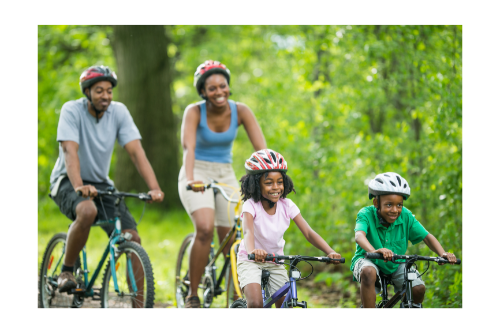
[{"x": 95, "y": 140}]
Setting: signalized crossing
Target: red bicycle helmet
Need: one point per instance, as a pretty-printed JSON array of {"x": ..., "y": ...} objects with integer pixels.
[
  {"x": 95, "y": 74},
  {"x": 206, "y": 69},
  {"x": 265, "y": 160}
]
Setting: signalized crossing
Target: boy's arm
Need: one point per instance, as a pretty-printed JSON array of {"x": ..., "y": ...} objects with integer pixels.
[
  {"x": 315, "y": 239},
  {"x": 362, "y": 241},
  {"x": 436, "y": 247},
  {"x": 260, "y": 255}
]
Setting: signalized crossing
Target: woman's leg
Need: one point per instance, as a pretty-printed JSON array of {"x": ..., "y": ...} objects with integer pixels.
[
  {"x": 253, "y": 294},
  {"x": 203, "y": 219}
]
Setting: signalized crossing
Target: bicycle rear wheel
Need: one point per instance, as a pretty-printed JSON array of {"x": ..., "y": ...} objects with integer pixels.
[
  {"x": 182, "y": 271},
  {"x": 132, "y": 258},
  {"x": 50, "y": 269},
  {"x": 240, "y": 303}
]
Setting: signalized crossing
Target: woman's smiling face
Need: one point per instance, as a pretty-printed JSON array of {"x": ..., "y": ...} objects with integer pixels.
[
  {"x": 272, "y": 186},
  {"x": 216, "y": 89}
]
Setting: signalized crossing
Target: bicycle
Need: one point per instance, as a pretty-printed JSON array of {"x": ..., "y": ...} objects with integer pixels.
[
  {"x": 133, "y": 282},
  {"x": 404, "y": 295},
  {"x": 212, "y": 289},
  {"x": 289, "y": 288}
]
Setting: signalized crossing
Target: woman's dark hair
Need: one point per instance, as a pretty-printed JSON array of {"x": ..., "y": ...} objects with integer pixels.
[{"x": 250, "y": 187}]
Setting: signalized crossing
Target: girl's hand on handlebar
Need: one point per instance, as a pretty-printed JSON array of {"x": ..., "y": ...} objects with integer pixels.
[
  {"x": 156, "y": 196},
  {"x": 260, "y": 255},
  {"x": 386, "y": 253},
  {"x": 334, "y": 255},
  {"x": 87, "y": 191},
  {"x": 450, "y": 257},
  {"x": 195, "y": 188}
]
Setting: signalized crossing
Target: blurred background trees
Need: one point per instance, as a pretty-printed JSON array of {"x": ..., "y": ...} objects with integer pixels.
[{"x": 341, "y": 103}]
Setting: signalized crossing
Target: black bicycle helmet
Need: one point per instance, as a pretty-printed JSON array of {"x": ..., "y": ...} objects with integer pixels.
[{"x": 95, "y": 74}]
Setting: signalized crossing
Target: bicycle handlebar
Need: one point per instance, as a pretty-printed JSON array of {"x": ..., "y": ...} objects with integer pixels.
[
  {"x": 439, "y": 260},
  {"x": 271, "y": 257},
  {"x": 215, "y": 186},
  {"x": 112, "y": 192}
]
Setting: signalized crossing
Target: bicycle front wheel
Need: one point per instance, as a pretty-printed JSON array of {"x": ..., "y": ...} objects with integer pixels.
[
  {"x": 135, "y": 281},
  {"x": 182, "y": 271}
]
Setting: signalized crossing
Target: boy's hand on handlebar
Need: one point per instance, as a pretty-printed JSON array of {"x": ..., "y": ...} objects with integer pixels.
[
  {"x": 87, "y": 191},
  {"x": 334, "y": 255},
  {"x": 156, "y": 196},
  {"x": 386, "y": 253},
  {"x": 450, "y": 257},
  {"x": 196, "y": 188},
  {"x": 260, "y": 255}
]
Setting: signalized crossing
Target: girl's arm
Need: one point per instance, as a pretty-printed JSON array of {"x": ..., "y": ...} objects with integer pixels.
[
  {"x": 248, "y": 238},
  {"x": 315, "y": 239},
  {"x": 248, "y": 120},
  {"x": 436, "y": 247}
]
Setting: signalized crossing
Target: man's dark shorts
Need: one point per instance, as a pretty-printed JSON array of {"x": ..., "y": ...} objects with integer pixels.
[{"x": 67, "y": 200}]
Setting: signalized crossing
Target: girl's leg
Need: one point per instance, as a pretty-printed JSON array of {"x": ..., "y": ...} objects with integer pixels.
[
  {"x": 203, "y": 219},
  {"x": 279, "y": 302},
  {"x": 253, "y": 295}
]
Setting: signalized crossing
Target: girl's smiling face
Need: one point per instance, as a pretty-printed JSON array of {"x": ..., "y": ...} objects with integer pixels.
[{"x": 272, "y": 185}]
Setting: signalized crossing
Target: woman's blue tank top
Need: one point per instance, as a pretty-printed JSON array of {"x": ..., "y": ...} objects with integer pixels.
[{"x": 212, "y": 146}]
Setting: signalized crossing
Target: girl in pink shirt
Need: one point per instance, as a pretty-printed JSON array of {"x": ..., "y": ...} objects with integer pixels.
[{"x": 266, "y": 217}]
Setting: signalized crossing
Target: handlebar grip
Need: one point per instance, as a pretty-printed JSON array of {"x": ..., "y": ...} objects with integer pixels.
[
  {"x": 79, "y": 193},
  {"x": 342, "y": 260},
  {"x": 251, "y": 256},
  {"x": 459, "y": 261},
  {"x": 374, "y": 255},
  {"x": 188, "y": 187},
  {"x": 269, "y": 257}
]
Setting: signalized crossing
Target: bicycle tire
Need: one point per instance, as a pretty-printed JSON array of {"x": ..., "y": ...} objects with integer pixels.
[
  {"x": 240, "y": 303},
  {"x": 146, "y": 290},
  {"x": 48, "y": 295},
  {"x": 182, "y": 271}
]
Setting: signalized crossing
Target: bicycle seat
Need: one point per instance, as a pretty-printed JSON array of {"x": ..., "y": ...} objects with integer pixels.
[{"x": 386, "y": 278}]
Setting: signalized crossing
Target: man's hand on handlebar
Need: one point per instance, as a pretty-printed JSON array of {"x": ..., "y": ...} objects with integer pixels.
[
  {"x": 156, "y": 196},
  {"x": 386, "y": 253},
  {"x": 260, "y": 255},
  {"x": 334, "y": 255},
  {"x": 87, "y": 191},
  {"x": 196, "y": 188},
  {"x": 450, "y": 257}
]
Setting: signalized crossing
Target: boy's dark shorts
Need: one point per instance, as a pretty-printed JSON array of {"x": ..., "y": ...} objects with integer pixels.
[{"x": 67, "y": 200}]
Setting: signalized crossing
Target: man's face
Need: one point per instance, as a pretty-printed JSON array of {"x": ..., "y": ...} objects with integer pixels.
[
  {"x": 101, "y": 94},
  {"x": 391, "y": 206}
]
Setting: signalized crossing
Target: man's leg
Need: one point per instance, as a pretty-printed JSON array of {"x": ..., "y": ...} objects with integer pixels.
[{"x": 78, "y": 234}]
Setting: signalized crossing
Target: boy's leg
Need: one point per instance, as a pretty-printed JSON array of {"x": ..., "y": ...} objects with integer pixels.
[
  {"x": 366, "y": 272},
  {"x": 418, "y": 285}
]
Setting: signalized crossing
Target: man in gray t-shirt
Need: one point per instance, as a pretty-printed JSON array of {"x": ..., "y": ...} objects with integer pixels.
[{"x": 87, "y": 131}]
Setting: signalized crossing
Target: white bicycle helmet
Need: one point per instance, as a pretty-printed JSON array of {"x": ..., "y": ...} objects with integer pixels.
[
  {"x": 388, "y": 183},
  {"x": 265, "y": 160}
]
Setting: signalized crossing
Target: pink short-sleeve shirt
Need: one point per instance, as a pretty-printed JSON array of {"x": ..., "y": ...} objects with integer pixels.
[{"x": 268, "y": 229}]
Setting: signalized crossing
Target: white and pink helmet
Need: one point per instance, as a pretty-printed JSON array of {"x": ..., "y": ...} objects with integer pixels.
[{"x": 265, "y": 160}]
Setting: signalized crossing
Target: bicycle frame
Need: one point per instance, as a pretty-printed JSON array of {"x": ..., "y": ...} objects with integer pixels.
[
  {"x": 406, "y": 292},
  {"x": 289, "y": 288}
]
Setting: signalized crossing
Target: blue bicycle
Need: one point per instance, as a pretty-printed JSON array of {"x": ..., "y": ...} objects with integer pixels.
[
  {"x": 289, "y": 288},
  {"x": 128, "y": 277}
]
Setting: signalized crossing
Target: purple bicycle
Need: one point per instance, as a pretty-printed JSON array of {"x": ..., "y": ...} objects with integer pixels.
[{"x": 289, "y": 288}]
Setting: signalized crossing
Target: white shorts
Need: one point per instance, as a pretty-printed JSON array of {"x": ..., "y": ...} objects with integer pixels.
[{"x": 251, "y": 272}]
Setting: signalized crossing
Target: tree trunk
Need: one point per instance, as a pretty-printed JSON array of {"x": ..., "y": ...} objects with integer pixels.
[{"x": 144, "y": 86}]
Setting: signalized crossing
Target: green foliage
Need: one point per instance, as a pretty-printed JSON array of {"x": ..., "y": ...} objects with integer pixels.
[{"x": 341, "y": 103}]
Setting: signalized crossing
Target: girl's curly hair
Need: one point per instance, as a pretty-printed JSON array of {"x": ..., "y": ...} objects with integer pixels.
[{"x": 250, "y": 187}]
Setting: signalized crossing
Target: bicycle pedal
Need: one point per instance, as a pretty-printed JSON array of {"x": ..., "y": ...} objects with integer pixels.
[{"x": 77, "y": 291}]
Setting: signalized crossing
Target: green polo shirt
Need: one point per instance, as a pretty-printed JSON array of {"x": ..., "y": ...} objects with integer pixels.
[{"x": 395, "y": 237}]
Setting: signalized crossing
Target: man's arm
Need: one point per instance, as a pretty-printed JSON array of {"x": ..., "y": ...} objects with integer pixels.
[
  {"x": 70, "y": 150},
  {"x": 141, "y": 162}
]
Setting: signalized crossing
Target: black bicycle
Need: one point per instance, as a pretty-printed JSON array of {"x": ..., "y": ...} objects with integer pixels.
[
  {"x": 405, "y": 294},
  {"x": 128, "y": 277}
]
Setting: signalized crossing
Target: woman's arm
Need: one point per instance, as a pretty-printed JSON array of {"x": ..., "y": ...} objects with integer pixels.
[
  {"x": 189, "y": 126},
  {"x": 315, "y": 239},
  {"x": 248, "y": 238},
  {"x": 254, "y": 132}
]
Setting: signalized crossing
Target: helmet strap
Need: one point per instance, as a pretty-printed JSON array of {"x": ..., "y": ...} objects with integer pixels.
[
  {"x": 97, "y": 111},
  {"x": 380, "y": 218}
]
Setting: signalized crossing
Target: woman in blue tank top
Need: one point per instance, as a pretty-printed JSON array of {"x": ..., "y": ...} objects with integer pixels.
[{"x": 207, "y": 133}]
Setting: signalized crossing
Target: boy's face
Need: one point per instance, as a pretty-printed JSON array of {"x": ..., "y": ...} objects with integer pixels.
[
  {"x": 272, "y": 187},
  {"x": 391, "y": 206}
]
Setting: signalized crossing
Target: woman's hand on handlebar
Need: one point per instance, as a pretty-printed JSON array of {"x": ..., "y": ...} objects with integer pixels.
[
  {"x": 450, "y": 257},
  {"x": 156, "y": 196},
  {"x": 195, "y": 188},
  {"x": 87, "y": 191},
  {"x": 386, "y": 253},
  {"x": 334, "y": 255},
  {"x": 260, "y": 255}
]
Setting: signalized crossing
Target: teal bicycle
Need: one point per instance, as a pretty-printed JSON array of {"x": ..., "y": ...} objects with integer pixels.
[{"x": 128, "y": 277}]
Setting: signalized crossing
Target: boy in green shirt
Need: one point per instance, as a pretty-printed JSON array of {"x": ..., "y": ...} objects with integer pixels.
[{"x": 386, "y": 227}]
